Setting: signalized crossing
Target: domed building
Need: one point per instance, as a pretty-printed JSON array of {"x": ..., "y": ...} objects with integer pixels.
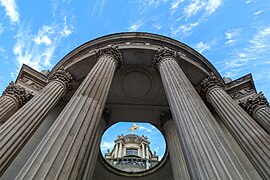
[
  {"x": 131, "y": 153},
  {"x": 52, "y": 122}
]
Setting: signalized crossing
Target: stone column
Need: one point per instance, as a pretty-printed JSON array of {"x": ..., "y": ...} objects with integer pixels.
[
  {"x": 207, "y": 152},
  {"x": 62, "y": 152},
  {"x": 147, "y": 151},
  {"x": 254, "y": 141},
  {"x": 120, "y": 150},
  {"x": 178, "y": 162},
  {"x": 18, "y": 129},
  {"x": 116, "y": 150},
  {"x": 258, "y": 107},
  {"x": 143, "y": 151},
  {"x": 11, "y": 100}
]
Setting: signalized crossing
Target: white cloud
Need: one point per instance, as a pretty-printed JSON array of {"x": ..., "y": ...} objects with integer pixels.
[
  {"x": 201, "y": 47},
  {"x": 175, "y": 4},
  {"x": 37, "y": 50},
  {"x": 143, "y": 128},
  {"x": 135, "y": 26},
  {"x": 258, "y": 12},
  {"x": 106, "y": 145},
  {"x": 193, "y": 8},
  {"x": 231, "y": 36},
  {"x": 212, "y": 6},
  {"x": 11, "y": 10}
]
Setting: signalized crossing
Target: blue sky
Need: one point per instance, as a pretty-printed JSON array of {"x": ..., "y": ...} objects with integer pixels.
[
  {"x": 233, "y": 35},
  {"x": 157, "y": 142}
]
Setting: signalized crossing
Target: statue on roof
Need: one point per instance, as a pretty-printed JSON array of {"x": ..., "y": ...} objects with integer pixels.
[{"x": 133, "y": 128}]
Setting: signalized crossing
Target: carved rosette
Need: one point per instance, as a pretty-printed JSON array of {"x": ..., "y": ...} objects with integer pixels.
[
  {"x": 113, "y": 52},
  {"x": 64, "y": 77},
  {"x": 252, "y": 103},
  {"x": 162, "y": 54},
  {"x": 209, "y": 83},
  {"x": 21, "y": 95},
  {"x": 164, "y": 117}
]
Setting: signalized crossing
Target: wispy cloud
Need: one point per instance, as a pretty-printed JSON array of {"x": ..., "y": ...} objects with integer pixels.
[
  {"x": 253, "y": 55},
  {"x": 231, "y": 36},
  {"x": 106, "y": 145},
  {"x": 37, "y": 50},
  {"x": 201, "y": 47},
  {"x": 145, "y": 129},
  {"x": 11, "y": 10},
  {"x": 193, "y": 8},
  {"x": 175, "y": 4},
  {"x": 259, "y": 12},
  {"x": 133, "y": 27}
]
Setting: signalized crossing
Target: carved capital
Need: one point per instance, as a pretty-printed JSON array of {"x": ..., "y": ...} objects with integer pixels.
[
  {"x": 18, "y": 92},
  {"x": 254, "y": 102},
  {"x": 64, "y": 77},
  {"x": 210, "y": 82},
  {"x": 113, "y": 52},
  {"x": 162, "y": 54},
  {"x": 164, "y": 117},
  {"x": 106, "y": 116}
]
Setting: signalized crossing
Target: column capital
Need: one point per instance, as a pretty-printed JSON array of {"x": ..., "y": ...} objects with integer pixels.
[
  {"x": 164, "y": 117},
  {"x": 19, "y": 93},
  {"x": 162, "y": 54},
  {"x": 209, "y": 83},
  {"x": 253, "y": 103},
  {"x": 64, "y": 77},
  {"x": 113, "y": 52}
]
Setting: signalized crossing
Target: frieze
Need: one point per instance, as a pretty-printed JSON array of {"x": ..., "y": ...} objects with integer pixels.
[
  {"x": 30, "y": 83},
  {"x": 210, "y": 82},
  {"x": 112, "y": 51},
  {"x": 241, "y": 93},
  {"x": 253, "y": 102},
  {"x": 62, "y": 75},
  {"x": 163, "y": 53},
  {"x": 18, "y": 92}
]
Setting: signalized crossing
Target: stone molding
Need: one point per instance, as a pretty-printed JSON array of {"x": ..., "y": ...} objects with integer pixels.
[
  {"x": 113, "y": 52},
  {"x": 209, "y": 83},
  {"x": 162, "y": 54},
  {"x": 19, "y": 93},
  {"x": 254, "y": 103},
  {"x": 61, "y": 75}
]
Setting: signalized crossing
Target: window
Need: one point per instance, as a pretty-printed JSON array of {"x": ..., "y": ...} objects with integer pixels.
[{"x": 132, "y": 152}]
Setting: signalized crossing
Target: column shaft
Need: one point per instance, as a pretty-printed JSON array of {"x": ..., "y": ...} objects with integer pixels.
[
  {"x": 178, "y": 162},
  {"x": 147, "y": 152},
  {"x": 61, "y": 154},
  {"x": 116, "y": 150},
  {"x": 207, "y": 152},
  {"x": 262, "y": 115},
  {"x": 143, "y": 151},
  {"x": 120, "y": 150},
  {"x": 254, "y": 141},
  {"x": 15, "y": 132},
  {"x": 12, "y": 99}
]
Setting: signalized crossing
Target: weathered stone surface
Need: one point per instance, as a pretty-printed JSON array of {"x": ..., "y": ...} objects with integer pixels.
[
  {"x": 258, "y": 107},
  {"x": 74, "y": 137},
  {"x": 15, "y": 133},
  {"x": 12, "y": 99},
  {"x": 254, "y": 141},
  {"x": 179, "y": 166},
  {"x": 207, "y": 153}
]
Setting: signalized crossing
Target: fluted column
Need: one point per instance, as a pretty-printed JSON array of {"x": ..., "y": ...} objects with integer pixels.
[
  {"x": 207, "y": 153},
  {"x": 116, "y": 150},
  {"x": 258, "y": 107},
  {"x": 18, "y": 129},
  {"x": 178, "y": 162},
  {"x": 120, "y": 150},
  {"x": 254, "y": 141},
  {"x": 147, "y": 151},
  {"x": 11, "y": 100},
  {"x": 143, "y": 151},
  {"x": 61, "y": 153}
]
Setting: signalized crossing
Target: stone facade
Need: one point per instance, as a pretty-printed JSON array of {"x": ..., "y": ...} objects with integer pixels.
[
  {"x": 131, "y": 153},
  {"x": 216, "y": 128}
]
